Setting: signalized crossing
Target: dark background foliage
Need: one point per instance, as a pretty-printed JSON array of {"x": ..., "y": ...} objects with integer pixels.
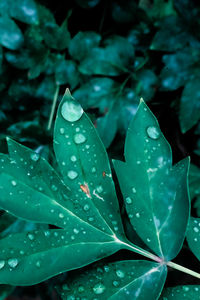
[{"x": 110, "y": 53}]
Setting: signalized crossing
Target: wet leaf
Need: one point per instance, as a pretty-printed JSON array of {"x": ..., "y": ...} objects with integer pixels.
[
  {"x": 38, "y": 255},
  {"x": 155, "y": 193},
  {"x": 193, "y": 236},
  {"x": 11, "y": 36},
  {"x": 117, "y": 280},
  {"x": 186, "y": 292},
  {"x": 84, "y": 164},
  {"x": 194, "y": 181}
]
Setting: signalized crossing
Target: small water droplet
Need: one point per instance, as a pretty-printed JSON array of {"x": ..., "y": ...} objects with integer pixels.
[
  {"x": 35, "y": 156},
  {"x": 31, "y": 236},
  {"x": 120, "y": 273},
  {"x": 99, "y": 288},
  {"x": 153, "y": 132},
  {"x": 128, "y": 200},
  {"x": 93, "y": 170},
  {"x": 62, "y": 130},
  {"x": 137, "y": 215},
  {"x": 71, "y": 110},
  {"x": 79, "y": 138},
  {"x": 86, "y": 207},
  {"x": 61, "y": 216},
  {"x": 196, "y": 229},
  {"x": 2, "y": 264},
  {"x": 13, "y": 262},
  {"x": 99, "y": 189},
  {"x": 38, "y": 264},
  {"x": 148, "y": 240},
  {"x": 134, "y": 190},
  {"x": 73, "y": 158},
  {"x": 81, "y": 289},
  {"x": 72, "y": 174},
  {"x": 13, "y": 182},
  {"x": 54, "y": 187},
  {"x": 76, "y": 231},
  {"x": 115, "y": 283}
]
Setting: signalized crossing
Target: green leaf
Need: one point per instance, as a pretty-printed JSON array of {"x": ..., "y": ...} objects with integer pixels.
[
  {"x": 194, "y": 181},
  {"x": 155, "y": 193},
  {"x": 159, "y": 8},
  {"x": 193, "y": 236},
  {"x": 10, "y": 35},
  {"x": 67, "y": 72},
  {"x": 24, "y": 11},
  {"x": 82, "y": 43},
  {"x": 114, "y": 59},
  {"x": 116, "y": 281},
  {"x": 84, "y": 164},
  {"x": 171, "y": 36},
  {"x": 39, "y": 255},
  {"x": 186, "y": 292},
  {"x": 190, "y": 105}
]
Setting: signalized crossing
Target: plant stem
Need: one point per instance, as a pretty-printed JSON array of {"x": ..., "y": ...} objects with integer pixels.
[
  {"x": 183, "y": 269},
  {"x": 53, "y": 107},
  {"x": 158, "y": 259}
]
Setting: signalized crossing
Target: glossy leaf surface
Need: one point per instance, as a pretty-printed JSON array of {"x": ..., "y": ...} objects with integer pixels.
[
  {"x": 155, "y": 193},
  {"x": 193, "y": 236},
  {"x": 37, "y": 255},
  {"x": 85, "y": 166},
  {"x": 186, "y": 292},
  {"x": 117, "y": 281}
]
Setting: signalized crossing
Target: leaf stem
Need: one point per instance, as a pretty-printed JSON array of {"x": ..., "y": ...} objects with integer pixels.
[
  {"x": 183, "y": 269},
  {"x": 53, "y": 107}
]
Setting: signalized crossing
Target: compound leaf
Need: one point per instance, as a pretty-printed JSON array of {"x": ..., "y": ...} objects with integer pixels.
[
  {"x": 34, "y": 256},
  {"x": 193, "y": 236},
  {"x": 118, "y": 280},
  {"x": 186, "y": 292},
  {"x": 155, "y": 193}
]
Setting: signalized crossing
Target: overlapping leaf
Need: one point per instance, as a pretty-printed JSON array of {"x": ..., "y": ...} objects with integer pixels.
[
  {"x": 193, "y": 236},
  {"x": 155, "y": 193},
  {"x": 118, "y": 280},
  {"x": 186, "y": 292}
]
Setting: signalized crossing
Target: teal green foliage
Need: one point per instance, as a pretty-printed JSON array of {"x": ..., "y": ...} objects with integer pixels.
[
  {"x": 157, "y": 52},
  {"x": 79, "y": 198}
]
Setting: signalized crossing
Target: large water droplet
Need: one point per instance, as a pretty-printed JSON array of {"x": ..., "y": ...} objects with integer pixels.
[
  {"x": 13, "y": 262},
  {"x": 79, "y": 138},
  {"x": 71, "y": 111},
  {"x": 153, "y": 132},
  {"x": 2, "y": 264},
  {"x": 72, "y": 174},
  {"x": 35, "y": 156},
  {"x": 99, "y": 288}
]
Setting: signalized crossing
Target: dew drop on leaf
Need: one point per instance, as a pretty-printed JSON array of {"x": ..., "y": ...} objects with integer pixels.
[
  {"x": 196, "y": 229},
  {"x": 31, "y": 236},
  {"x": 13, "y": 182},
  {"x": 153, "y": 132},
  {"x": 38, "y": 264},
  {"x": 73, "y": 158},
  {"x": 62, "y": 130},
  {"x": 79, "y": 138},
  {"x": 72, "y": 174},
  {"x": 54, "y": 188},
  {"x": 13, "y": 262},
  {"x": 2, "y": 264},
  {"x": 99, "y": 288},
  {"x": 71, "y": 111},
  {"x": 35, "y": 156},
  {"x": 115, "y": 283},
  {"x": 134, "y": 190},
  {"x": 128, "y": 200},
  {"x": 61, "y": 216},
  {"x": 137, "y": 215},
  {"x": 120, "y": 273},
  {"x": 86, "y": 207},
  {"x": 99, "y": 189}
]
